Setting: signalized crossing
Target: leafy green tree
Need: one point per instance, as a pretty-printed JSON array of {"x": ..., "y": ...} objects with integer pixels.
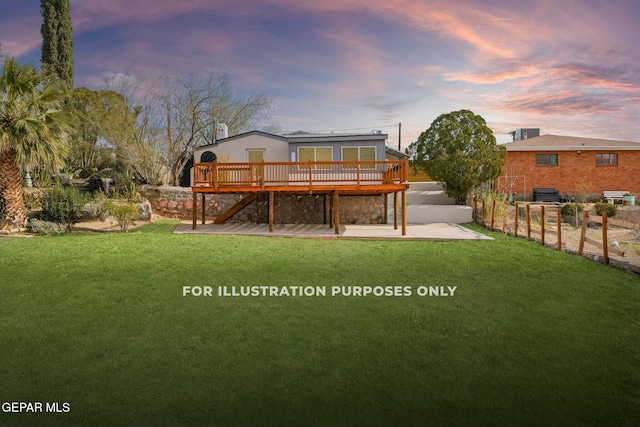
[
  {"x": 102, "y": 116},
  {"x": 460, "y": 151},
  {"x": 33, "y": 131},
  {"x": 57, "y": 38},
  {"x": 89, "y": 112}
]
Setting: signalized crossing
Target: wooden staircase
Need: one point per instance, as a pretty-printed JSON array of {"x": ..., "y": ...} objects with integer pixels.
[{"x": 224, "y": 216}]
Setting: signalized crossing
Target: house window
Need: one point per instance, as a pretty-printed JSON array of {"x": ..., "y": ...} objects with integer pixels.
[
  {"x": 609, "y": 159},
  {"x": 362, "y": 153},
  {"x": 208, "y": 157},
  {"x": 254, "y": 156},
  {"x": 315, "y": 154},
  {"x": 546, "y": 160}
]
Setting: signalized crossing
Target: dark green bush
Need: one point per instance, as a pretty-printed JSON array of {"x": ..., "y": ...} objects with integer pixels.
[
  {"x": 572, "y": 209},
  {"x": 96, "y": 182},
  {"x": 124, "y": 186},
  {"x": 611, "y": 209},
  {"x": 120, "y": 186},
  {"x": 86, "y": 172},
  {"x": 62, "y": 205}
]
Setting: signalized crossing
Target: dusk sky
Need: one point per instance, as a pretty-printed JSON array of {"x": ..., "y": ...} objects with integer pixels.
[{"x": 569, "y": 67}]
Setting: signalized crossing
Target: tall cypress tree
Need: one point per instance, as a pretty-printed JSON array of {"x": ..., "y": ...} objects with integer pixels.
[{"x": 57, "y": 40}]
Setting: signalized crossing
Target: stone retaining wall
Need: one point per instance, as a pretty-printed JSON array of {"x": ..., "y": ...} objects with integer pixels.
[{"x": 177, "y": 202}]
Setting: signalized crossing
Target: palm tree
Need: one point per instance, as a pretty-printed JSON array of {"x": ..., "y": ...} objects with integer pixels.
[{"x": 33, "y": 131}]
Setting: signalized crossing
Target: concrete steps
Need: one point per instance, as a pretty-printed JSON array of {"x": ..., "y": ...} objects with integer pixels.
[
  {"x": 428, "y": 197},
  {"x": 427, "y": 203}
]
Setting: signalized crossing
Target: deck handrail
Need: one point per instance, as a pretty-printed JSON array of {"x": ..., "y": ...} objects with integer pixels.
[{"x": 263, "y": 174}]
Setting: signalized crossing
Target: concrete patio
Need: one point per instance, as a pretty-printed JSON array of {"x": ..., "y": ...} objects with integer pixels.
[{"x": 438, "y": 231}]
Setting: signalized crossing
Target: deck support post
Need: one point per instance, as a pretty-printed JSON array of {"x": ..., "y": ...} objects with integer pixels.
[
  {"x": 194, "y": 210},
  {"x": 324, "y": 208},
  {"x": 386, "y": 208},
  {"x": 330, "y": 210},
  {"x": 336, "y": 211},
  {"x": 395, "y": 210},
  {"x": 404, "y": 212},
  {"x": 203, "y": 207},
  {"x": 271, "y": 211},
  {"x": 258, "y": 209}
]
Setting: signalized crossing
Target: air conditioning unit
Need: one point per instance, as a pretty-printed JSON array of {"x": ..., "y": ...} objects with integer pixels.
[{"x": 222, "y": 131}]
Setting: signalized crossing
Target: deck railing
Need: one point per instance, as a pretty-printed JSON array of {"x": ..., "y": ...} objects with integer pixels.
[{"x": 268, "y": 174}]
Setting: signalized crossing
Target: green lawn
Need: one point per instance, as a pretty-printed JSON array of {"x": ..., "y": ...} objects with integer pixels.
[{"x": 531, "y": 337}]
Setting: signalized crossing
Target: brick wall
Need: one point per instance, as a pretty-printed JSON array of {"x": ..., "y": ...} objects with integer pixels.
[
  {"x": 574, "y": 174},
  {"x": 177, "y": 202}
]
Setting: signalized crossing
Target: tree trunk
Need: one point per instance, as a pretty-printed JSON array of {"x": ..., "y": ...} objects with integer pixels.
[{"x": 12, "y": 209}]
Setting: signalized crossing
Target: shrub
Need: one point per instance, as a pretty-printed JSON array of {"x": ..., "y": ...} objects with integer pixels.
[
  {"x": 62, "y": 205},
  {"x": 120, "y": 186},
  {"x": 96, "y": 208},
  {"x": 96, "y": 181},
  {"x": 608, "y": 207},
  {"x": 124, "y": 186},
  {"x": 124, "y": 213},
  {"x": 522, "y": 211},
  {"x": 61, "y": 179},
  {"x": 86, "y": 172},
  {"x": 46, "y": 227},
  {"x": 572, "y": 209},
  {"x": 41, "y": 177},
  {"x": 488, "y": 197}
]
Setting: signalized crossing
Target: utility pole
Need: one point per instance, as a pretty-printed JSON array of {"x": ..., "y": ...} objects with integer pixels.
[{"x": 399, "y": 135}]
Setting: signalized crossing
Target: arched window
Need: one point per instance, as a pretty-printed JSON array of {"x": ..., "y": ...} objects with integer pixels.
[{"x": 208, "y": 157}]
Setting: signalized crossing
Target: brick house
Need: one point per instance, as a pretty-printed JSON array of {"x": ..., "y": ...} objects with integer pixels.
[{"x": 572, "y": 165}]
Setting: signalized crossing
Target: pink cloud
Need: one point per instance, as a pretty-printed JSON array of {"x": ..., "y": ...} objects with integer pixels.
[
  {"x": 488, "y": 77},
  {"x": 20, "y": 36}
]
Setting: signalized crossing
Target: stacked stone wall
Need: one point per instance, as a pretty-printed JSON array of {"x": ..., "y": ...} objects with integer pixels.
[{"x": 177, "y": 202}]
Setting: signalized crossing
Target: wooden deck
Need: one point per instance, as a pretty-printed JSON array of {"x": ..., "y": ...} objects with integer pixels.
[{"x": 332, "y": 179}]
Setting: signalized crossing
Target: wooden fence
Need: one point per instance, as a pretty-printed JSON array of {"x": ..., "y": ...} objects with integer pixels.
[
  {"x": 604, "y": 244},
  {"x": 544, "y": 223},
  {"x": 418, "y": 175},
  {"x": 497, "y": 217}
]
